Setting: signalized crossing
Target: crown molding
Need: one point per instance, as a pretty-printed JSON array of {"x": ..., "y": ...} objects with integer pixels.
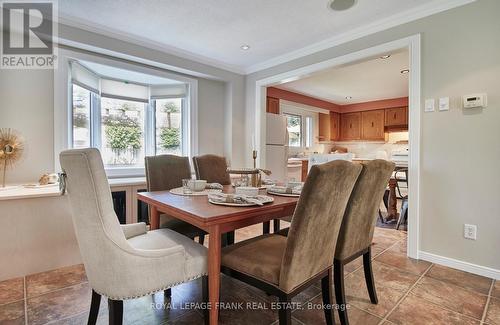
[
  {"x": 148, "y": 43},
  {"x": 369, "y": 29}
]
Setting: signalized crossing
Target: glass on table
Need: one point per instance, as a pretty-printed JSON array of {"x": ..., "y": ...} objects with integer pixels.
[{"x": 185, "y": 186}]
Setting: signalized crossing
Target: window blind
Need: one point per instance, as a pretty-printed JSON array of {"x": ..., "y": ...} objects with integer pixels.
[
  {"x": 124, "y": 90},
  {"x": 84, "y": 78},
  {"x": 168, "y": 91}
]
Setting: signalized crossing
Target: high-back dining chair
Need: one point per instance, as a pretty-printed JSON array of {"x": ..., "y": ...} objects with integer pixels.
[
  {"x": 163, "y": 173},
  {"x": 285, "y": 266},
  {"x": 358, "y": 225},
  {"x": 122, "y": 261},
  {"x": 212, "y": 168}
]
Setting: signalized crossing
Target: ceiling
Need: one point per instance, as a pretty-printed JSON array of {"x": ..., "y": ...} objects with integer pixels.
[
  {"x": 212, "y": 31},
  {"x": 365, "y": 81}
]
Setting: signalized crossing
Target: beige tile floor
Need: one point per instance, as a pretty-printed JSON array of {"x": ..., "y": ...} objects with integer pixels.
[{"x": 409, "y": 291}]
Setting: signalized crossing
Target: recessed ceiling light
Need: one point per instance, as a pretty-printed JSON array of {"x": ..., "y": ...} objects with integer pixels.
[
  {"x": 383, "y": 57},
  {"x": 348, "y": 97},
  {"x": 341, "y": 5},
  {"x": 405, "y": 71},
  {"x": 245, "y": 47}
]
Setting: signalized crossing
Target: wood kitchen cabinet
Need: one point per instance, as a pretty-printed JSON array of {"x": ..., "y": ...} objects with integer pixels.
[
  {"x": 396, "y": 117},
  {"x": 372, "y": 125},
  {"x": 350, "y": 126},
  {"x": 324, "y": 127},
  {"x": 273, "y": 105},
  {"x": 304, "y": 170},
  {"x": 334, "y": 126}
]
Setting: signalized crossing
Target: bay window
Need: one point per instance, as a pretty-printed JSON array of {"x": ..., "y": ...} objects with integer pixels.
[{"x": 128, "y": 120}]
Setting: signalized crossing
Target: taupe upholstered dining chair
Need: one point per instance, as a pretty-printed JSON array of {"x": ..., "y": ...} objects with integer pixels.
[
  {"x": 285, "y": 266},
  {"x": 356, "y": 232},
  {"x": 213, "y": 169},
  {"x": 163, "y": 173},
  {"x": 122, "y": 261}
]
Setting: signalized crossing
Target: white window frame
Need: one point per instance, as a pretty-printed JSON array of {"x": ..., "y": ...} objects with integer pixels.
[
  {"x": 63, "y": 119},
  {"x": 304, "y": 111}
]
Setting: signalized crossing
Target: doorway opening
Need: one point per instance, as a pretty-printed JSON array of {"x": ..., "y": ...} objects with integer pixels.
[{"x": 398, "y": 144}]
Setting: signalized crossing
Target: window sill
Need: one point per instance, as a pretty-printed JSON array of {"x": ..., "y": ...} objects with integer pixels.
[
  {"x": 17, "y": 192},
  {"x": 20, "y": 192}
]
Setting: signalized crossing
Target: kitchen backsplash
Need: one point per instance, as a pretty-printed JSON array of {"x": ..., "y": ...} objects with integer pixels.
[{"x": 370, "y": 149}]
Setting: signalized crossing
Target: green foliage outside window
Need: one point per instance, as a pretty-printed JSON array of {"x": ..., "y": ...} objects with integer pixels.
[
  {"x": 122, "y": 133},
  {"x": 170, "y": 138}
]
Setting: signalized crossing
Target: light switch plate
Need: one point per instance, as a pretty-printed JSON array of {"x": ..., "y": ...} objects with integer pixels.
[
  {"x": 444, "y": 103},
  {"x": 429, "y": 105}
]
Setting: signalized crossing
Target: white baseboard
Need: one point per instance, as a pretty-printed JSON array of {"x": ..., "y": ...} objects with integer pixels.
[{"x": 460, "y": 265}]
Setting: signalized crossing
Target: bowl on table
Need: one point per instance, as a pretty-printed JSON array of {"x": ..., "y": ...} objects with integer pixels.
[{"x": 197, "y": 185}]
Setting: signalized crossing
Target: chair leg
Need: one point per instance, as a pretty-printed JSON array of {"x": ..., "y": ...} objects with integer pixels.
[
  {"x": 168, "y": 292},
  {"x": 326, "y": 290},
  {"x": 285, "y": 312},
  {"x": 380, "y": 216},
  {"x": 94, "y": 308},
  {"x": 338, "y": 280},
  {"x": 370, "y": 283},
  {"x": 115, "y": 312},
  {"x": 276, "y": 225},
  {"x": 201, "y": 239},
  {"x": 266, "y": 227},
  {"x": 204, "y": 290}
]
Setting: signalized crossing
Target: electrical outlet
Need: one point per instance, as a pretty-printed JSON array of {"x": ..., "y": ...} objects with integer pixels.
[{"x": 470, "y": 231}]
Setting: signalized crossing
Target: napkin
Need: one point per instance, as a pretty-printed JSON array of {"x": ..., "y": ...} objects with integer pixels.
[
  {"x": 214, "y": 186},
  {"x": 286, "y": 189},
  {"x": 233, "y": 198}
]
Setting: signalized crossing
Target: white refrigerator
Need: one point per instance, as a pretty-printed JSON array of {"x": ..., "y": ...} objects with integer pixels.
[{"x": 276, "y": 146}]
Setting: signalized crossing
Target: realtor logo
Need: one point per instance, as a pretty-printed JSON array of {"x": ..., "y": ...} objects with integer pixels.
[{"x": 28, "y": 34}]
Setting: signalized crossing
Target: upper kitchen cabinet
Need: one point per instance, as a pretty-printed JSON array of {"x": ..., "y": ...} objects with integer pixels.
[
  {"x": 324, "y": 127},
  {"x": 334, "y": 126},
  {"x": 396, "y": 117},
  {"x": 372, "y": 125},
  {"x": 350, "y": 126},
  {"x": 273, "y": 105}
]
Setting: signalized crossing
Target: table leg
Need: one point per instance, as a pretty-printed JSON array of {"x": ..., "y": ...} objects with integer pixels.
[
  {"x": 154, "y": 218},
  {"x": 266, "y": 227},
  {"x": 392, "y": 211},
  {"x": 214, "y": 255}
]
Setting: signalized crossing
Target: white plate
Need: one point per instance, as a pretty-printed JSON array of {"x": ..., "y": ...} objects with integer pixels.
[
  {"x": 180, "y": 191},
  {"x": 268, "y": 200},
  {"x": 283, "y": 194}
]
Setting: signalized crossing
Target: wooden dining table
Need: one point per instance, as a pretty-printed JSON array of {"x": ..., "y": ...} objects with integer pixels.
[{"x": 215, "y": 220}]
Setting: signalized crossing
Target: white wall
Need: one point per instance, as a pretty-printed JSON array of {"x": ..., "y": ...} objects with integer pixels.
[
  {"x": 211, "y": 116},
  {"x": 26, "y": 104},
  {"x": 460, "y": 178}
]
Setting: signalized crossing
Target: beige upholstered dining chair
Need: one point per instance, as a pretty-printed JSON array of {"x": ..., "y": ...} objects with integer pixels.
[
  {"x": 163, "y": 173},
  {"x": 356, "y": 232},
  {"x": 285, "y": 266},
  {"x": 122, "y": 261},
  {"x": 212, "y": 168}
]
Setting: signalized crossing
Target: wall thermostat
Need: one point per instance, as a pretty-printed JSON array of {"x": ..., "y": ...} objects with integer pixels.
[{"x": 475, "y": 101}]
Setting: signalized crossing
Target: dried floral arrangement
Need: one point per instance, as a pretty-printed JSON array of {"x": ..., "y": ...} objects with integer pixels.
[{"x": 11, "y": 150}]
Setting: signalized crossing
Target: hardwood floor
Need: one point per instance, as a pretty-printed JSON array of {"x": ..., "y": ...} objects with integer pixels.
[{"x": 409, "y": 292}]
